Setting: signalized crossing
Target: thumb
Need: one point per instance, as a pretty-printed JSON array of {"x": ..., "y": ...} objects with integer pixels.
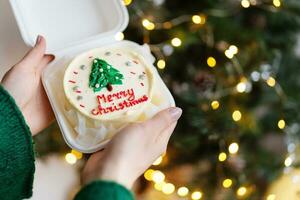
[
  {"x": 163, "y": 119},
  {"x": 35, "y": 55}
]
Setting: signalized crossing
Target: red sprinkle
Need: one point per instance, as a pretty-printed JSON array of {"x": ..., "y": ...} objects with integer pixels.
[
  {"x": 82, "y": 106},
  {"x": 72, "y": 81},
  {"x": 142, "y": 84},
  {"x": 132, "y": 72},
  {"x": 78, "y": 91},
  {"x": 136, "y": 62},
  {"x": 75, "y": 72}
]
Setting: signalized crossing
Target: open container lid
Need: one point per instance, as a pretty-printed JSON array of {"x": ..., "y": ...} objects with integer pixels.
[{"x": 68, "y": 23}]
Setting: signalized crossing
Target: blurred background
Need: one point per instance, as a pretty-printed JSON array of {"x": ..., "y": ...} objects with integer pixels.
[{"x": 233, "y": 66}]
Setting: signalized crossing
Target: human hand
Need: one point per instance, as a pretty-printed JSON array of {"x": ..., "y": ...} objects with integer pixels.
[
  {"x": 133, "y": 150},
  {"x": 23, "y": 82}
]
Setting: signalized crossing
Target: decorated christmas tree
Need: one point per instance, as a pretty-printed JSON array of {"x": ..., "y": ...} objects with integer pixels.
[
  {"x": 233, "y": 67},
  {"x": 103, "y": 75}
]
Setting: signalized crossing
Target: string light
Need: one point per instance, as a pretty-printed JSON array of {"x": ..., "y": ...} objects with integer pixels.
[
  {"x": 176, "y": 42},
  {"x": 71, "y": 158},
  {"x": 234, "y": 50},
  {"x": 265, "y": 75},
  {"x": 168, "y": 188},
  {"x": 149, "y": 174},
  {"x": 271, "y": 82},
  {"x": 148, "y": 24},
  {"x": 288, "y": 162},
  {"x": 158, "y": 176},
  {"x": 233, "y": 148},
  {"x": 237, "y": 115},
  {"x": 145, "y": 22},
  {"x": 196, "y": 195},
  {"x": 277, "y": 3},
  {"x": 158, "y": 161},
  {"x": 119, "y": 36},
  {"x": 199, "y": 19},
  {"x": 159, "y": 186},
  {"x": 215, "y": 104},
  {"x": 241, "y": 87},
  {"x": 227, "y": 183},
  {"x": 229, "y": 54},
  {"x": 127, "y": 2},
  {"x": 211, "y": 62},
  {"x": 281, "y": 124},
  {"x": 196, "y": 19},
  {"x": 255, "y": 76},
  {"x": 222, "y": 156},
  {"x": 245, "y": 3},
  {"x": 241, "y": 191},
  {"x": 271, "y": 197},
  {"x": 161, "y": 64},
  {"x": 77, "y": 154},
  {"x": 167, "y": 49},
  {"x": 231, "y": 51},
  {"x": 183, "y": 191}
]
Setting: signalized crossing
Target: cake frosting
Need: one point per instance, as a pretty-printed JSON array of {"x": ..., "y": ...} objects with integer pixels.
[{"x": 108, "y": 84}]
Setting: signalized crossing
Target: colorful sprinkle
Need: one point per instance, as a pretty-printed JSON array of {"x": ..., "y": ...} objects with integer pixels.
[
  {"x": 75, "y": 72},
  {"x": 132, "y": 72},
  {"x": 78, "y": 91},
  {"x": 75, "y": 88},
  {"x": 71, "y": 81},
  {"x": 128, "y": 63},
  {"x": 108, "y": 53},
  {"x": 90, "y": 56},
  {"x": 119, "y": 54},
  {"x": 79, "y": 98},
  {"x": 136, "y": 62},
  {"x": 82, "y": 67},
  {"x": 142, "y": 84},
  {"x": 142, "y": 77},
  {"x": 144, "y": 72},
  {"x": 82, "y": 106}
]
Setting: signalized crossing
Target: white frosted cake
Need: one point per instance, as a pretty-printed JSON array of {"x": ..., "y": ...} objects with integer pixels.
[
  {"x": 108, "y": 84},
  {"x": 107, "y": 88}
]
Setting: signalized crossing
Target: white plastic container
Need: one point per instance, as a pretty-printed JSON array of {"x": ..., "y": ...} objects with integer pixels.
[{"x": 70, "y": 28}]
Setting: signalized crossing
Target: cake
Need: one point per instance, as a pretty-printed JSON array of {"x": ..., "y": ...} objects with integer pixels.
[
  {"x": 105, "y": 89},
  {"x": 108, "y": 84}
]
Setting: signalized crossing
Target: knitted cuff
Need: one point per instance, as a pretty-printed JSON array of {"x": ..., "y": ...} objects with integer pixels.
[
  {"x": 104, "y": 190},
  {"x": 16, "y": 151}
]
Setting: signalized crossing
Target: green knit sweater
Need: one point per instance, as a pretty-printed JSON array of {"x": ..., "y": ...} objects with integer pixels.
[{"x": 17, "y": 160}]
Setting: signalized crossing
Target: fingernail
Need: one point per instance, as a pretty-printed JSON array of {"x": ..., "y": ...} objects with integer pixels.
[
  {"x": 38, "y": 39},
  {"x": 175, "y": 113}
]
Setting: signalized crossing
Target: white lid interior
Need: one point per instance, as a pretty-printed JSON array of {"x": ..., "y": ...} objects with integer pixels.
[{"x": 65, "y": 23}]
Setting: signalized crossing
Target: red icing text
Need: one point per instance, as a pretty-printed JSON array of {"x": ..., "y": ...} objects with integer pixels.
[{"x": 129, "y": 101}]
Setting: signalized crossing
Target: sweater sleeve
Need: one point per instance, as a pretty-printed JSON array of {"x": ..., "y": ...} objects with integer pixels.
[
  {"x": 104, "y": 190},
  {"x": 16, "y": 151}
]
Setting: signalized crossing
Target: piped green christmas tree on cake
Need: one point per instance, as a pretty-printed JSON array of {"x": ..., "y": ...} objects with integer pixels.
[{"x": 103, "y": 75}]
